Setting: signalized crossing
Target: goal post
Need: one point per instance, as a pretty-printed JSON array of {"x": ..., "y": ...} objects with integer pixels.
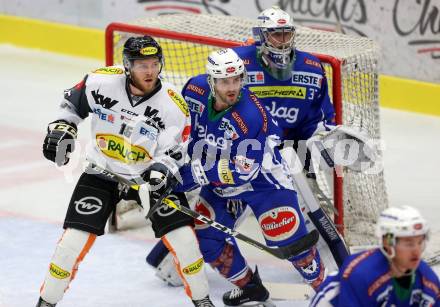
[{"x": 351, "y": 68}]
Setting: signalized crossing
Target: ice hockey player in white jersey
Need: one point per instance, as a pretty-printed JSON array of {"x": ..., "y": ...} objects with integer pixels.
[
  {"x": 393, "y": 274},
  {"x": 140, "y": 127}
]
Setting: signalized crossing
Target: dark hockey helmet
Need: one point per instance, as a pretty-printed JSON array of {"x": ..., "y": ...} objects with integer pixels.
[{"x": 138, "y": 48}]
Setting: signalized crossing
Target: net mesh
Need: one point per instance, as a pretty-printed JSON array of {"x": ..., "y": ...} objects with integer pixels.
[{"x": 364, "y": 194}]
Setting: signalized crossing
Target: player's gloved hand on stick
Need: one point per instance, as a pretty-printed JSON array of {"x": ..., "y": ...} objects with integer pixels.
[
  {"x": 59, "y": 141},
  {"x": 160, "y": 179}
]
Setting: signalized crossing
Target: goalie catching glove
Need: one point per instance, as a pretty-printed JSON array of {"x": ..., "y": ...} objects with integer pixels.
[
  {"x": 59, "y": 141},
  {"x": 344, "y": 146}
]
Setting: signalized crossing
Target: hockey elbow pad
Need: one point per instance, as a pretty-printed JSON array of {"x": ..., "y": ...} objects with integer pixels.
[{"x": 59, "y": 141}]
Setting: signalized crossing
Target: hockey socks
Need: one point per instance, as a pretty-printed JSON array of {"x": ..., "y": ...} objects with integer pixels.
[
  {"x": 70, "y": 251},
  {"x": 183, "y": 245}
]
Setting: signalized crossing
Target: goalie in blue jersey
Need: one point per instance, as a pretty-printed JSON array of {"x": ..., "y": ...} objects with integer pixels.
[{"x": 393, "y": 274}]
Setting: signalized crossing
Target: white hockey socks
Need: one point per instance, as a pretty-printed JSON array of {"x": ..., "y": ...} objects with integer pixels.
[
  {"x": 183, "y": 245},
  {"x": 70, "y": 251}
]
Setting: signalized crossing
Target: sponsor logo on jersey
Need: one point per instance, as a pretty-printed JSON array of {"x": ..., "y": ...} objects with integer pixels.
[
  {"x": 298, "y": 92},
  {"x": 243, "y": 164},
  {"x": 150, "y": 132},
  {"x": 104, "y": 116},
  {"x": 193, "y": 268},
  {"x": 262, "y": 111},
  {"x": 153, "y": 118},
  {"x": 106, "y": 102},
  {"x": 196, "y": 89},
  {"x": 179, "y": 101},
  {"x": 186, "y": 133},
  {"x": 58, "y": 272},
  {"x": 210, "y": 138},
  {"x": 224, "y": 173},
  {"x": 306, "y": 78},
  {"x": 118, "y": 148},
  {"x": 195, "y": 105},
  {"x": 109, "y": 71},
  {"x": 288, "y": 114},
  {"x": 279, "y": 223},
  {"x": 240, "y": 122},
  {"x": 204, "y": 208},
  {"x": 255, "y": 77},
  {"x": 129, "y": 112},
  {"x": 88, "y": 205},
  {"x": 312, "y": 62},
  {"x": 230, "y": 132},
  {"x": 148, "y": 51}
]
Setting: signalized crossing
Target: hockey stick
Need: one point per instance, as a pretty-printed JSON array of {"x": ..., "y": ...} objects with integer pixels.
[
  {"x": 282, "y": 252},
  {"x": 319, "y": 218}
]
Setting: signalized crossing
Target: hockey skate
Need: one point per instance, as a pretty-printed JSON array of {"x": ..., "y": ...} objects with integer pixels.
[
  {"x": 253, "y": 294},
  {"x": 43, "y": 303},
  {"x": 204, "y": 302}
]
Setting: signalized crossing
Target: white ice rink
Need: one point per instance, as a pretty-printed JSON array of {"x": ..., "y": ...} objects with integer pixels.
[{"x": 34, "y": 195}]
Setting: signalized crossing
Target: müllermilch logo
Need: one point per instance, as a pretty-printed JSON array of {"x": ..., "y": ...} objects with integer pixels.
[
  {"x": 279, "y": 223},
  {"x": 118, "y": 148}
]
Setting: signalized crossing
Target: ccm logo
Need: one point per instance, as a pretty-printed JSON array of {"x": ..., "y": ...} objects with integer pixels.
[{"x": 88, "y": 205}]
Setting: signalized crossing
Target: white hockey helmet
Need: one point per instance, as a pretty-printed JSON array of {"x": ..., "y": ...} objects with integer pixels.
[
  {"x": 224, "y": 63},
  {"x": 279, "y": 57},
  {"x": 401, "y": 221}
]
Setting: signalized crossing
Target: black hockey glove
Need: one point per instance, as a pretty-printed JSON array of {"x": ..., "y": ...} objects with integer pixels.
[
  {"x": 59, "y": 141},
  {"x": 160, "y": 179}
]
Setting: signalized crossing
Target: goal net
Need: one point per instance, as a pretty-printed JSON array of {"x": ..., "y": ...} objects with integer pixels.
[{"x": 351, "y": 68}]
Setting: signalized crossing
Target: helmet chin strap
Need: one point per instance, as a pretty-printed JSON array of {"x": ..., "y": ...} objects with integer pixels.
[{"x": 390, "y": 256}]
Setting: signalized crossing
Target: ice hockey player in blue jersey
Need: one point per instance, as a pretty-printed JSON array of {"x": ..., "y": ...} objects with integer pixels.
[
  {"x": 290, "y": 83},
  {"x": 235, "y": 160},
  {"x": 393, "y": 274}
]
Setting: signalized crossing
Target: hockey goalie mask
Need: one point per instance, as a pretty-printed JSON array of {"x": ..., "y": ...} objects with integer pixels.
[
  {"x": 223, "y": 64},
  {"x": 275, "y": 36},
  {"x": 139, "y": 48}
]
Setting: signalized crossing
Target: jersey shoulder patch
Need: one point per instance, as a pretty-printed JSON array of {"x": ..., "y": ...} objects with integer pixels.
[
  {"x": 110, "y": 70},
  {"x": 179, "y": 101}
]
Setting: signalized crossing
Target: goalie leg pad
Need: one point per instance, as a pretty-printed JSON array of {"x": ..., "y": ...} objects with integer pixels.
[
  {"x": 70, "y": 251},
  {"x": 183, "y": 245},
  {"x": 91, "y": 204}
]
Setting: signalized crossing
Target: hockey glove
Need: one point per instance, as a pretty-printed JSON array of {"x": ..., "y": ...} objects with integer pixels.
[
  {"x": 59, "y": 141},
  {"x": 345, "y": 146},
  {"x": 160, "y": 179}
]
